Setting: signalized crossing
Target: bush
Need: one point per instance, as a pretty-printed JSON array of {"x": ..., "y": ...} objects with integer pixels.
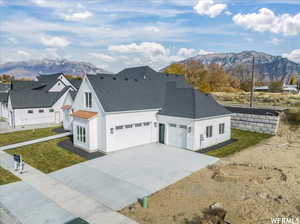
[{"x": 293, "y": 116}]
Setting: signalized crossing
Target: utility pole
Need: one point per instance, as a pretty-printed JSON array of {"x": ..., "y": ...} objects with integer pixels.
[{"x": 252, "y": 84}]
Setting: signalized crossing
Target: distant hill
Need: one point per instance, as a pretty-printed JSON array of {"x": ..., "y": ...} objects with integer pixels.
[
  {"x": 268, "y": 67},
  {"x": 33, "y": 68}
]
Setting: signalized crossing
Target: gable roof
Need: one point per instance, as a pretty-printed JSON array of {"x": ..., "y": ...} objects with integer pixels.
[
  {"x": 190, "y": 103},
  {"x": 4, "y": 88},
  {"x": 34, "y": 98},
  {"x": 119, "y": 93},
  {"x": 49, "y": 77},
  {"x": 3, "y": 97},
  {"x": 25, "y": 85}
]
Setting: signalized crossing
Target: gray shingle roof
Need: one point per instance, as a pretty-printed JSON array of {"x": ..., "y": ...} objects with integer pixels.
[
  {"x": 4, "y": 88},
  {"x": 34, "y": 98},
  {"x": 3, "y": 97},
  {"x": 190, "y": 103},
  {"x": 142, "y": 88},
  {"x": 26, "y": 85}
]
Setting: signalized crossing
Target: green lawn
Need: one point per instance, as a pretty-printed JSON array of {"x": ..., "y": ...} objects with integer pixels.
[
  {"x": 22, "y": 136},
  {"x": 244, "y": 139},
  {"x": 47, "y": 156},
  {"x": 7, "y": 177}
]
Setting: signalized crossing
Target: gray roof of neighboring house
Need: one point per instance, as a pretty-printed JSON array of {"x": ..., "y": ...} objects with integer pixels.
[
  {"x": 3, "y": 97},
  {"x": 26, "y": 85},
  {"x": 34, "y": 98},
  {"x": 48, "y": 77},
  {"x": 4, "y": 88},
  {"x": 138, "y": 72},
  {"x": 76, "y": 83},
  {"x": 190, "y": 103},
  {"x": 255, "y": 111}
]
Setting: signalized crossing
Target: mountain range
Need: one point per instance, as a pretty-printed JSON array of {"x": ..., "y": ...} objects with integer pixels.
[
  {"x": 267, "y": 67},
  {"x": 32, "y": 68}
]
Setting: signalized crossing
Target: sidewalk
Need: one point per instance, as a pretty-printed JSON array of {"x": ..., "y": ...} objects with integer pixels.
[
  {"x": 34, "y": 141},
  {"x": 72, "y": 201}
]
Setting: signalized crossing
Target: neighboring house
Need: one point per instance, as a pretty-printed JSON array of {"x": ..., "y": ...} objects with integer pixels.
[
  {"x": 140, "y": 106},
  {"x": 290, "y": 88},
  {"x": 4, "y": 90},
  {"x": 39, "y": 102},
  {"x": 261, "y": 88}
]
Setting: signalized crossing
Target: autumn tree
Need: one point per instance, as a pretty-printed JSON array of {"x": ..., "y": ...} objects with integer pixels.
[
  {"x": 294, "y": 80},
  {"x": 275, "y": 86},
  {"x": 176, "y": 69}
]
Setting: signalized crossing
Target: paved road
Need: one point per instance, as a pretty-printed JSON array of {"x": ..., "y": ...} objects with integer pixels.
[
  {"x": 66, "y": 201},
  {"x": 12, "y": 146}
]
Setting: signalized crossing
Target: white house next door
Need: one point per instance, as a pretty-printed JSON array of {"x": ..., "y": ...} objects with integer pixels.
[{"x": 177, "y": 135}]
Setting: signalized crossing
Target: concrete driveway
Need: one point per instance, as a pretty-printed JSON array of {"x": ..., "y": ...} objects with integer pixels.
[{"x": 119, "y": 179}]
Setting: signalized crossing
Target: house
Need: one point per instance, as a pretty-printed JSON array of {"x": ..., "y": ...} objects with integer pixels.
[
  {"x": 290, "y": 88},
  {"x": 39, "y": 102},
  {"x": 140, "y": 106},
  {"x": 4, "y": 90}
]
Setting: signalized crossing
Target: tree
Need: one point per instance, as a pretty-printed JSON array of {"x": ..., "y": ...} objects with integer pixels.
[
  {"x": 294, "y": 80},
  {"x": 275, "y": 86},
  {"x": 176, "y": 69},
  {"x": 246, "y": 85}
]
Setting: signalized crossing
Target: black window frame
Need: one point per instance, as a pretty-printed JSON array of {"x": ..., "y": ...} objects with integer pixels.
[
  {"x": 222, "y": 128},
  {"x": 209, "y": 131},
  {"x": 88, "y": 100}
]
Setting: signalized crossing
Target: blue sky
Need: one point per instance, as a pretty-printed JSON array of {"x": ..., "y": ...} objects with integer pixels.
[{"x": 114, "y": 34}]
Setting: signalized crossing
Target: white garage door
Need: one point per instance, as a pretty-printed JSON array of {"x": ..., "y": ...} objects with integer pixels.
[
  {"x": 177, "y": 135},
  {"x": 133, "y": 134}
]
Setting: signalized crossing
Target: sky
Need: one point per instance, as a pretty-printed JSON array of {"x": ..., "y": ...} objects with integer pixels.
[{"x": 115, "y": 34}]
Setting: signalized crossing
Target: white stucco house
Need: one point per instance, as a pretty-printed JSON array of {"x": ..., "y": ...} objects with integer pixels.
[
  {"x": 140, "y": 106},
  {"x": 4, "y": 90},
  {"x": 39, "y": 102}
]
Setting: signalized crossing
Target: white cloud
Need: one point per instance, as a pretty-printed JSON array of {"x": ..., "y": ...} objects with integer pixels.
[
  {"x": 54, "y": 41},
  {"x": 149, "y": 48},
  {"x": 186, "y": 51},
  {"x": 293, "y": 55},
  {"x": 50, "y": 4},
  {"x": 266, "y": 20},
  {"x": 102, "y": 57},
  {"x": 77, "y": 16},
  {"x": 13, "y": 40},
  {"x": 51, "y": 53},
  {"x": 209, "y": 8},
  {"x": 23, "y": 53},
  {"x": 152, "y": 29},
  {"x": 203, "y": 52},
  {"x": 275, "y": 41}
]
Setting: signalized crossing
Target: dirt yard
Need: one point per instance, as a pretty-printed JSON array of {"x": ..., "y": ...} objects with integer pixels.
[
  {"x": 261, "y": 99},
  {"x": 254, "y": 185}
]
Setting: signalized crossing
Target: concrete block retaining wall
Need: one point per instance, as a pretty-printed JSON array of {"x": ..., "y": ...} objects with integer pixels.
[{"x": 267, "y": 124}]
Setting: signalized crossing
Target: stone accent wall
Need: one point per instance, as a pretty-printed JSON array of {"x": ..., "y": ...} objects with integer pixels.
[{"x": 267, "y": 124}]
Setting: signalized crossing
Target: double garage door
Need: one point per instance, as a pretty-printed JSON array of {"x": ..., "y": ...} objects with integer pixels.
[
  {"x": 132, "y": 135},
  {"x": 177, "y": 135}
]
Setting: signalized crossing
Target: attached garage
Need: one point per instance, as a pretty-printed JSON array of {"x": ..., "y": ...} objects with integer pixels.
[
  {"x": 133, "y": 134},
  {"x": 177, "y": 135}
]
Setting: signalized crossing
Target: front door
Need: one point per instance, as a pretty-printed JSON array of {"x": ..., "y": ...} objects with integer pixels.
[{"x": 162, "y": 133}]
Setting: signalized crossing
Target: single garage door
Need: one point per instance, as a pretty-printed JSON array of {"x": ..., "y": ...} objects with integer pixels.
[
  {"x": 177, "y": 135},
  {"x": 133, "y": 134}
]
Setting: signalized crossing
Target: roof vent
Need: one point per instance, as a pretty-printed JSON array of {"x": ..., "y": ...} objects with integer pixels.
[
  {"x": 101, "y": 77},
  {"x": 167, "y": 74},
  {"x": 136, "y": 80},
  {"x": 114, "y": 78},
  {"x": 126, "y": 79}
]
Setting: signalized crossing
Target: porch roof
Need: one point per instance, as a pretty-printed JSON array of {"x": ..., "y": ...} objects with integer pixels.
[
  {"x": 84, "y": 114},
  {"x": 66, "y": 107}
]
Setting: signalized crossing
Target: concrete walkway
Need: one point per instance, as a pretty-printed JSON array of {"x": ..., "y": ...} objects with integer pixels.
[
  {"x": 65, "y": 197},
  {"x": 34, "y": 141}
]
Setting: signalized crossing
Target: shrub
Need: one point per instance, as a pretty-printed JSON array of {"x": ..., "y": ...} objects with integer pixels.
[{"x": 293, "y": 116}]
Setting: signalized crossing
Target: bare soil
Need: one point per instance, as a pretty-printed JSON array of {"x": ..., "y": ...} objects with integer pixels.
[{"x": 254, "y": 185}]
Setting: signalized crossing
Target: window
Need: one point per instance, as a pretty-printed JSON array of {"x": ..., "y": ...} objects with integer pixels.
[
  {"x": 30, "y": 111},
  {"x": 147, "y": 123},
  {"x": 172, "y": 125},
  {"x": 41, "y": 111},
  {"x": 183, "y": 126},
  {"x": 119, "y": 127},
  {"x": 51, "y": 110},
  {"x": 138, "y": 125},
  {"x": 155, "y": 124},
  {"x": 81, "y": 134},
  {"x": 190, "y": 129},
  {"x": 209, "y": 130},
  {"x": 111, "y": 131},
  {"x": 221, "y": 128},
  {"x": 128, "y": 126},
  {"x": 88, "y": 100}
]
